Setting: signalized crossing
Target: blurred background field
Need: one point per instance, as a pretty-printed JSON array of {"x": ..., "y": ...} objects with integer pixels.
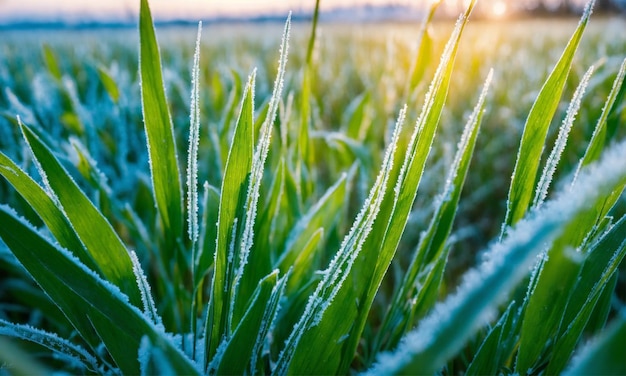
[{"x": 53, "y": 79}]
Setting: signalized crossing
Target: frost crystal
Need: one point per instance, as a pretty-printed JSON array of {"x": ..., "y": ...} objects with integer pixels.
[
  {"x": 194, "y": 139},
  {"x": 561, "y": 141},
  {"x": 149, "y": 308}
]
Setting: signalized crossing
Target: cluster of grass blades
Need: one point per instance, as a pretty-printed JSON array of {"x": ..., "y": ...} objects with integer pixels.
[{"x": 264, "y": 274}]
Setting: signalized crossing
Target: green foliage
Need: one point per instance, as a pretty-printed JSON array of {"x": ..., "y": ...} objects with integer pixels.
[{"x": 324, "y": 241}]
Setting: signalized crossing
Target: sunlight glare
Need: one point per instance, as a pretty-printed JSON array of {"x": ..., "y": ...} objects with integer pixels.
[{"x": 499, "y": 9}]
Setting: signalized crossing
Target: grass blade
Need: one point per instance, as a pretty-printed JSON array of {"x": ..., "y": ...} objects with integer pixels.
[
  {"x": 194, "y": 140},
  {"x": 61, "y": 347},
  {"x": 601, "y": 264},
  {"x": 536, "y": 129},
  {"x": 208, "y": 234},
  {"x": 555, "y": 155},
  {"x": 306, "y": 333},
  {"x": 604, "y": 356},
  {"x": 247, "y": 276},
  {"x": 494, "y": 348},
  {"x": 394, "y": 215},
  {"x": 444, "y": 332},
  {"x": 77, "y": 289},
  {"x": 231, "y": 210},
  {"x": 103, "y": 244},
  {"x": 431, "y": 247},
  {"x": 599, "y": 138},
  {"x": 236, "y": 352},
  {"x": 47, "y": 210},
  {"x": 159, "y": 132}
]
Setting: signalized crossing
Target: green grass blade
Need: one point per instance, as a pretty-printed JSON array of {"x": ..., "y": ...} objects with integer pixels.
[
  {"x": 47, "y": 210},
  {"x": 605, "y": 355},
  {"x": 306, "y": 333},
  {"x": 490, "y": 354},
  {"x": 536, "y": 129},
  {"x": 248, "y": 273},
  {"x": 301, "y": 272},
  {"x": 149, "y": 307},
  {"x": 328, "y": 206},
  {"x": 545, "y": 304},
  {"x": 159, "y": 132},
  {"x": 423, "y": 57},
  {"x": 541, "y": 191},
  {"x": 266, "y": 239},
  {"x": 489, "y": 357},
  {"x": 52, "y": 63},
  {"x": 75, "y": 289},
  {"x": 313, "y": 35},
  {"x": 236, "y": 352},
  {"x": 62, "y": 348},
  {"x": 305, "y": 336},
  {"x": 601, "y": 264},
  {"x": 599, "y": 139},
  {"x": 357, "y": 117},
  {"x": 109, "y": 84},
  {"x": 208, "y": 233},
  {"x": 394, "y": 215},
  {"x": 431, "y": 247},
  {"x": 194, "y": 141},
  {"x": 444, "y": 332},
  {"x": 231, "y": 212},
  {"x": 95, "y": 232}
]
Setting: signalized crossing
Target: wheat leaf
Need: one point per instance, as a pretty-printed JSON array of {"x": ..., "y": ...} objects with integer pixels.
[
  {"x": 159, "y": 131},
  {"x": 103, "y": 244},
  {"x": 536, "y": 129}
]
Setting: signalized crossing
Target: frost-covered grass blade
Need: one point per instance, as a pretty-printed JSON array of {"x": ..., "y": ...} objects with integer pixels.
[
  {"x": 89, "y": 301},
  {"x": 444, "y": 331},
  {"x": 103, "y": 244},
  {"x": 536, "y": 129},
  {"x": 159, "y": 132}
]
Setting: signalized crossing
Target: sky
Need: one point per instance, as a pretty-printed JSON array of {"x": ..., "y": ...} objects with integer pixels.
[{"x": 162, "y": 9}]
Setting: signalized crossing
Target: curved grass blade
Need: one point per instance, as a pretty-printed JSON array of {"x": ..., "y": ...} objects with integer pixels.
[
  {"x": 237, "y": 352},
  {"x": 493, "y": 349},
  {"x": 149, "y": 307},
  {"x": 444, "y": 332},
  {"x": 47, "y": 210},
  {"x": 605, "y": 355},
  {"x": 557, "y": 278},
  {"x": 536, "y": 129},
  {"x": 159, "y": 132},
  {"x": 328, "y": 206},
  {"x": 555, "y": 155},
  {"x": 95, "y": 232},
  {"x": 62, "y": 348},
  {"x": 74, "y": 288},
  {"x": 109, "y": 84},
  {"x": 599, "y": 138},
  {"x": 599, "y": 267},
  {"x": 425, "y": 45}
]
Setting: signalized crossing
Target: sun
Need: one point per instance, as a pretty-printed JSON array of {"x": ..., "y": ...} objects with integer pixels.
[{"x": 499, "y": 9}]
